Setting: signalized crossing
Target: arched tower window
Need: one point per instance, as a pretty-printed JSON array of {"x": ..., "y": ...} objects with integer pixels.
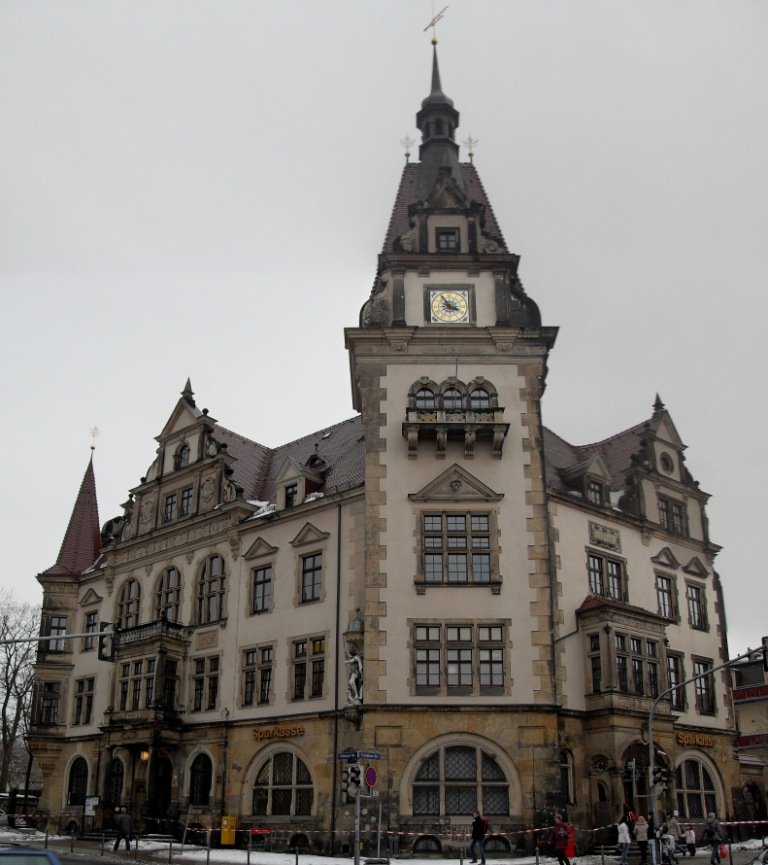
[
  {"x": 200, "y": 776},
  {"x": 456, "y": 780},
  {"x": 210, "y": 591},
  {"x": 566, "y": 777},
  {"x": 479, "y": 399},
  {"x": 168, "y": 598},
  {"x": 425, "y": 398},
  {"x": 128, "y": 605},
  {"x": 451, "y": 399},
  {"x": 78, "y": 782},
  {"x": 283, "y": 787}
]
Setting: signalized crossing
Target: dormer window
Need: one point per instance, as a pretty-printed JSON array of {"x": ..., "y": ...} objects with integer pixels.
[
  {"x": 595, "y": 492},
  {"x": 181, "y": 458},
  {"x": 291, "y": 495},
  {"x": 447, "y": 239}
]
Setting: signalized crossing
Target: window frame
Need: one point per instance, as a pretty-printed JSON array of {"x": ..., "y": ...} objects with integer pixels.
[
  {"x": 660, "y": 581},
  {"x": 168, "y": 595},
  {"x": 311, "y": 577},
  {"x": 308, "y": 657},
  {"x": 452, "y": 555},
  {"x": 262, "y": 590},
  {"x": 211, "y": 592},
  {"x": 673, "y": 515},
  {"x": 704, "y": 686},
  {"x": 129, "y": 604},
  {"x": 82, "y": 713},
  {"x": 696, "y": 605},
  {"x": 675, "y": 669},
  {"x": 602, "y": 574},
  {"x": 205, "y": 682}
]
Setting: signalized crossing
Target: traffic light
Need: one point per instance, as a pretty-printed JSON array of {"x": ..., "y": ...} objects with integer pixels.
[
  {"x": 661, "y": 777},
  {"x": 351, "y": 778}
]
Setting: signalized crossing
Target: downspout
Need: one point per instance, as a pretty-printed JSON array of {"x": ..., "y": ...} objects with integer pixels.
[{"x": 334, "y": 761}]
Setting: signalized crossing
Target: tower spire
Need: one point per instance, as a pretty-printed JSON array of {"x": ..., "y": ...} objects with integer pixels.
[{"x": 82, "y": 540}]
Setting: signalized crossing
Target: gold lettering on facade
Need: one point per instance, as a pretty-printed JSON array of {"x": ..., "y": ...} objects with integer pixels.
[
  {"x": 698, "y": 739},
  {"x": 277, "y": 733}
]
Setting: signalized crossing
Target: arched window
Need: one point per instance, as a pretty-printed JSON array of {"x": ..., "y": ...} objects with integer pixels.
[
  {"x": 168, "y": 595},
  {"x": 425, "y": 398},
  {"x": 128, "y": 605},
  {"x": 566, "y": 777},
  {"x": 78, "y": 782},
  {"x": 480, "y": 399},
  {"x": 451, "y": 399},
  {"x": 200, "y": 776},
  {"x": 115, "y": 782},
  {"x": 696, "y": 795},
  {"x": 283, "y": 787},
  {"x": 458, "y": 779},
  {"x": 210, "y": 592},
  {"x": 181, "y": 458}
]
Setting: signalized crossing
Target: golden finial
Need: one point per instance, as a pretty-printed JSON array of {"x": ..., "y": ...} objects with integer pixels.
[
  {"x": 407, "y": 143},
  {"x": 471, "y": 143},
  {"x": 95, "y": 433},
  {"x": 433, "y": 22}
]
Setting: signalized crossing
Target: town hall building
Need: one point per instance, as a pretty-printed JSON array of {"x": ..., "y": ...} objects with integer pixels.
[{"x": 440, "y": 581}]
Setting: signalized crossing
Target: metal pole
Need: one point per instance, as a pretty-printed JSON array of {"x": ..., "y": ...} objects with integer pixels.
[{"x": 357, "y": 827}]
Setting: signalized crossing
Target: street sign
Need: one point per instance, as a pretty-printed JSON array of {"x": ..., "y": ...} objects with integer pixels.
[
  {"x": 368, "y": 755},
  {"x": 371, "y": 776},
  {"x": 350, "y": 756}
]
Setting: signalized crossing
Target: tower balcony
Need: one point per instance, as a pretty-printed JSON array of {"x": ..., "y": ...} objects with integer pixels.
[{"x": 444, "y": 425}]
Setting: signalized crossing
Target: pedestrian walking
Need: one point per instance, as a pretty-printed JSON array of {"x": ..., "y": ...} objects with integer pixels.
[
  {"x": 479, "y": 830},
  {"x": 713, "y": 835},
  {"x": 641, "y": 836},
  {"x": 124, "y": 826},
  {"x": 624, "y": 840},
  {"x": 559, "y": 836}
]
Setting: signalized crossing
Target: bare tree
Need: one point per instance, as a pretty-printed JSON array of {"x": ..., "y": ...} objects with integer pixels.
[{"x": 19, "y": 621}]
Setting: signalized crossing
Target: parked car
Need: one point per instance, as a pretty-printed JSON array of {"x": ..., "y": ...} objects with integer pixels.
[{"x": 27, "y": 856}]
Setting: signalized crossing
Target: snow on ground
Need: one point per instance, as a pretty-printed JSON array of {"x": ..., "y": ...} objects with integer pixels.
[{"x": 191, "y": 853}]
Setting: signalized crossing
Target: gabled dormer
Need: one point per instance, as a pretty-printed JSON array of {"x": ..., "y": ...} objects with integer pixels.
[
  {"x": 589, "y": 480},
  {"x": 297, "y": 483}
]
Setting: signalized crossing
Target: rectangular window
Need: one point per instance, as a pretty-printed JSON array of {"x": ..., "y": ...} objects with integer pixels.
[
  {"x": 149, "y": 683},
  {"x": 311, "y": 577},
  {"x": 57, "y": 628},
  {"x": 169, "y": 510},
  {"x": 595, "y": 492},
  {"x": 472, "y": 657},
  {"x": 291, "y": 495},
  {"x": 674, "y": 678},
  {"x": 673, "y": 516},
  {"x": 636, "y": 669},
  {"x": 665, "y": 596},
  {"x": 456, "y": 548},
  {"x": 595, "y": 664},
  {"x": 262, "y": 589},
  {"x": 83, "y": 701},
  {"x": 447, "y": 239},
  {"x": 90, "y": 626},
  {"x": 50, "y": 695},
  {"x": 136, "y": 683},
  {"x": 249, "y": 677},
  {"x": 308, "y": 668},
  {"x": 696, "y": 607},
  {"x": 704, "y": 687},
  {"x": 185, "y": 504},
  {"x": 606, "y": 577},
  {"x": 205, "y": 683},
  {"x": 265, "y": 675}
]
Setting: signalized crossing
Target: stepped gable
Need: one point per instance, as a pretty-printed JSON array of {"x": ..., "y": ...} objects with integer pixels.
[
  {"x": 406, "y": 196},
  {"x": 617, "y": 451}
]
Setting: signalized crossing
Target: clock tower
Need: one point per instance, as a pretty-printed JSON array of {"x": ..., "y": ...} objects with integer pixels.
[{"x": 448, "y": 365}]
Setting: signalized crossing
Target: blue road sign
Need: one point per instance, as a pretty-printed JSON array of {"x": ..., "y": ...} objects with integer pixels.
[{"x": 368, "y": 755}]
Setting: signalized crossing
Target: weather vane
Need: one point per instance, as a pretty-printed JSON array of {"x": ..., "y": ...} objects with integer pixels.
[
  {"x": 407, "y": 143},
  {"x": 471, "y": 143},
  {"x": 95, "y": 432},
  {"x": 433, "y": 22}
]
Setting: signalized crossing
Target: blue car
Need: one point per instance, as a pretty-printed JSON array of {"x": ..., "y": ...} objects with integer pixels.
[{"x": 27, "y": 856}]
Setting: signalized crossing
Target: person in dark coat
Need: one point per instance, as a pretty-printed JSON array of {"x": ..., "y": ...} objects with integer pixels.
[
  {"x": 558, "y": 838},
  {"x": 124, "y": 826},
  {"x": 713, "y": 835},
  {"x": 479, "y": 828}
]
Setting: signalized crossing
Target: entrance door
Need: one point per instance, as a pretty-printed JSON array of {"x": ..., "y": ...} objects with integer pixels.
[{"x": 160, "y": 788}]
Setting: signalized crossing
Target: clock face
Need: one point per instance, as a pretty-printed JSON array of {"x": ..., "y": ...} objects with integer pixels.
[{"x": 449, "y": 306}]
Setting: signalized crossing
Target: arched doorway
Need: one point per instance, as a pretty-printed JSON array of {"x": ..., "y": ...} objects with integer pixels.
[{"x": 161, "y": 777}]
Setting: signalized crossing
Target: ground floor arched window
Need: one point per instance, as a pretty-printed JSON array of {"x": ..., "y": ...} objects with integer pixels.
[
  {"x": 696, "y": 794},
  {"x": 459, "y": 779},
  {"x": 78, "y": 782},
  {"x": 200, "y": 777},
  {"x": 283, "y": 787}
]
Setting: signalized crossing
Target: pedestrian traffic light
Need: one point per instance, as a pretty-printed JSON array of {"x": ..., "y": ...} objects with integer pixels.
[{"x": 351, "y": 778}]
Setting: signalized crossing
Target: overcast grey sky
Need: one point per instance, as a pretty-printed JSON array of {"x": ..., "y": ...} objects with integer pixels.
[{"x": 201, "y": 189}]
